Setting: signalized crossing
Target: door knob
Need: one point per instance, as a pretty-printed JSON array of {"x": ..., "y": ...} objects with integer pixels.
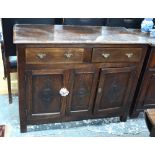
[{"x": 63, "y": 92}]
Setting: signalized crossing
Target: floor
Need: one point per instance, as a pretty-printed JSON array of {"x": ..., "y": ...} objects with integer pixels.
[{"x": 110, "y": 127}]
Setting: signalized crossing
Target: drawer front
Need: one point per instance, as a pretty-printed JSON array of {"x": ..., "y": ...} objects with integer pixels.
[
  {"x": 54, "y": 55},
  {"x": 116, "y": 54}
]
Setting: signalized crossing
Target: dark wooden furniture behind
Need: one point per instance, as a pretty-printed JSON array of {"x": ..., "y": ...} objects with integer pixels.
[
  {"x": 146, "y": 94},
  {"x": 113, "y": 22},
  {"x": 9, "y": 49},
  {"x": 2, "y": 130},
  {"x": 85, "y": 21},
  {"x": 73, "y": 72},
  {"x": 150, "y": 121},
  {"x": 124, "y": 22}
]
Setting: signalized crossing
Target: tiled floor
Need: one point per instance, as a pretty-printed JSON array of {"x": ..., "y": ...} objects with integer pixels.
[{"x": 111, "y": 127}]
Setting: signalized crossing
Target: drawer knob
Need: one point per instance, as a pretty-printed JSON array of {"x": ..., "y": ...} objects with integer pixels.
[
  {"x": 63, "y": 92},
  {"x": 41, "y": 55},
  {"x": 105, "y": 55},
  {"x": 129, "y": 55},
  {"x": 68, "y": 55}
]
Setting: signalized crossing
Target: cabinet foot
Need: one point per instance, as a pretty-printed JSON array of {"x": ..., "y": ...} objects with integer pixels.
[
  {"x": 134, "y": 115},
  {"x": 123, "y": 118},
  {"x": 152, "y": 134},
  {"x": 23, "y": 128},
  {"x": 10, "y": 99}
]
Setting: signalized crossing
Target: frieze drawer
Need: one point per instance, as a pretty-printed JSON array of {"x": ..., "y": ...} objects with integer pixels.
[
  {"x": 54, "y": 55},
  {"x": 116, "y": 54}
]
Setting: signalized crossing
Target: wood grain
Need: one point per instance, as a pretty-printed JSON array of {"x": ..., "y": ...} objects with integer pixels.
[
  {"x": 63, "y": 34},
  {"x": 54, "y": 55},
  {"x": 116, "y": 54}
]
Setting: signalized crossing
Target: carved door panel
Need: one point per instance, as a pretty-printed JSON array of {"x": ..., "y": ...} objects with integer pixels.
[
  {"x": 114, "y": 89},
  {"x": 147, "y": 95},
  {"x": 83, "y": 87},
  {"x": 43, "y": 96}
]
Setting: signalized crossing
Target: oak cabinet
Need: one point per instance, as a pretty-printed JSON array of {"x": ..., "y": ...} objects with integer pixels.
[
  {"x": 149, "y": 98},
  {"x": 146, "y": 93},
  {"x": 65, "y": 74},
  {"x": 57, "y": 92}
]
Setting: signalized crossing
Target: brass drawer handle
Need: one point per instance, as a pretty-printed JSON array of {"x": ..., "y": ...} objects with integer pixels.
[
  {"x": 105, "y": 55},
  {"x": 129, "y": 55},
  {"x": 41, "y": 55},
  {"x": 68, "y": 55},
  {"x": 63, "y": 92}
]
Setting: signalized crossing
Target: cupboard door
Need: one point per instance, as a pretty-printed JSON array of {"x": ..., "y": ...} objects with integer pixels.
[
  {"x": 147, "y": 94},
  {"x": 43, "y": 97},
  {"x": 115, "y": 86},
  {"x": 83, "y": 87}
]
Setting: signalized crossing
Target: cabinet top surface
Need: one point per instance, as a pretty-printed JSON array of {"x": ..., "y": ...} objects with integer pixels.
[{"x": 42, "y": 34}]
